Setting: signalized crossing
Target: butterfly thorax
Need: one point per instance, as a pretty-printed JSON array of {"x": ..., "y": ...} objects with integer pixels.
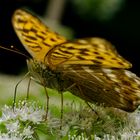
[{"x": 43, "y": 75}]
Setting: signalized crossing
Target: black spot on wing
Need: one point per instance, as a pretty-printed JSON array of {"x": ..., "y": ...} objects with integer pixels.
[
  {"x": 71, "y": 48},
  {"x": 96, "y": 62},
  {"x": 100, "y": 57},
  {"x": 42, "y": 32},
  {"x": 96, "y": 53},
  {"x": 32, "y": 38},
  {"x": 46, "y": 44},
  {"x": 33, "y": 30},
  {"x": 81, "y": 58},
  {"x": 64, "y": 51},
  {"x": 42, "y": 37},
  {"x": 28, "y": 40},
  {"x": 120, "y": 63},
  {"x": 84, "y": 52},
  {"x": 113, "y": 58},
  {"x": 21, "y": 21},
  {"x": 53, "y": 40},
  {"x": 22, "y": 30}
]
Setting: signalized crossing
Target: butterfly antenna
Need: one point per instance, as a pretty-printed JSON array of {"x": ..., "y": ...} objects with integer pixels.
[{"x": 13, "y": 49}]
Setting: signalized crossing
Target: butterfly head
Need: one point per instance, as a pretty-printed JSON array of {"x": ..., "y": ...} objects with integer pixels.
[{"x": 43, "y": 74}]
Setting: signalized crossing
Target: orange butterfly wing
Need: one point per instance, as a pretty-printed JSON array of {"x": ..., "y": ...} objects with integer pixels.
[{"x": 34, "y": 35}]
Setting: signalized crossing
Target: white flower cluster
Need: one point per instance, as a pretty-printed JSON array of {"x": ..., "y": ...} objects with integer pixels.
[
  {"x": 128, "y": 134},
  {"x": 124, "y": 136},
  {"x": 20, "y": 123},
  {"x": 80, "y": 137}
]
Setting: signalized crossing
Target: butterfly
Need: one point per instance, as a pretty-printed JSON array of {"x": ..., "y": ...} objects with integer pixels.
[{"x": 89, "y": 68}]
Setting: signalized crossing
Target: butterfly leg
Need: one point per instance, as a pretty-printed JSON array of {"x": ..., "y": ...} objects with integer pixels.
[
  {"x": 87, "y": 102},
  {"x": 80, "y": 90},
  {"x": 27, "y": 96},
  {"x": 47, "y": 106},
  {"x": 15, "y": 92},
  {"x": 46, "y": 92},
  {"x": 92, "y": 108},
  {"x": 29, "y": 83},
  {"x": 62, "y": 103}
]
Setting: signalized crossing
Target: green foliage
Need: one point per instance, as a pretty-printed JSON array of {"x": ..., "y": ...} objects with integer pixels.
[{"x": 102, "y": 10}]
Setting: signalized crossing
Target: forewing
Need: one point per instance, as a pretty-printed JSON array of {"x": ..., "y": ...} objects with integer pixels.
[
  {"x": 37, "y": 38},
  {"x": 112, "y": 87},
  {"x": 90, "y": 51}
]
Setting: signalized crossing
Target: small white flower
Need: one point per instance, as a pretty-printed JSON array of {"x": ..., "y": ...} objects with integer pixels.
[
  {"x": 12, "y": 126},
  {"x": 80, "y": 137},
  {"x": 137, "y": 121},
  {"x": 30, "y": 112},
  {"x": 28, "y": 132},
  {"x": 127, "y": 136},
  {"x": 37, "y": 116},
  {"x": 7, "y": 137},
  {"x": 7, "y": 113},
  {"x": 24, "y": 113}
]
